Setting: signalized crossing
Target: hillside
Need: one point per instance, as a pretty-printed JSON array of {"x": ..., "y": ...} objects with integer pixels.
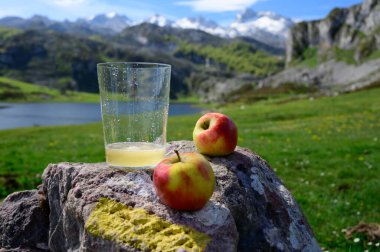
[
  {"x": 336, "y": 54},
  {"x": 67, "y": 62},
  {"x": 348, "y": 34},
  {"x": 267, "y": 27},
  {"x": 13, "y": 90}
]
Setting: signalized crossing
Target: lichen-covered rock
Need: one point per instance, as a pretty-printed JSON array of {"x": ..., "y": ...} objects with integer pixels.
[
  {"x": 96, "y": 208},
  {"x": 140, "y": 229},
  {"x": 75, "y": 190}
]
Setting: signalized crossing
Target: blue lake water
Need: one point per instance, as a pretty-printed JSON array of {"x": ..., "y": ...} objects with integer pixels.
[{"x": 15, "y": 115}]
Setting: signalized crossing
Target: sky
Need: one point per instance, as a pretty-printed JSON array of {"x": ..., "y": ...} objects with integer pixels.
[{"x": 221, "y": 11}]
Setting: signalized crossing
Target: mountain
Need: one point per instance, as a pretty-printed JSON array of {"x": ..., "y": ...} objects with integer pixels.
[
  {"x": 104, "y": 24},
  {"x": 263, "y": 27},
  {"x": 336, "y": 54},
  {"x": 356, "y": 29},
  {"x": 67, "y": 61},
  {"x": 63, "y": 55},
  {"x": 35, "y": 22},
  {"x": 159, "y": 20},
  {"x": 165, "y": 38},
  {"x": 200, "y": 23},
  {"x": 266, "y": 27},
  {"x": 110, "y": 21},
  {"x": 42, "y": 23}
]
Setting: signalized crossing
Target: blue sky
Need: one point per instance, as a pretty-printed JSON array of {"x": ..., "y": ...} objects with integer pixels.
[{"x": 222, "y": 11}]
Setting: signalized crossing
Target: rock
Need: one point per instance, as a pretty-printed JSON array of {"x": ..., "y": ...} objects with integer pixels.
[
  {"x": 221, "y": 88},
  {"x": 329, "y": 77},
  {"x": 337, "y": 53},
  {"x": 95, "y": 208},
  {"x": 355, "y": 28},
  {"x": 24, "y": 222}
]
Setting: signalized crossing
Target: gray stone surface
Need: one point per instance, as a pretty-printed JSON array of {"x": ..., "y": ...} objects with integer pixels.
[
  {"x": 354, "y": 31},
  {"x": 250, "y": 210},
  {"x": 354, "y": 28},
  {"x": 329, "y": 77},
  {"x": 24, "y": 222},
  {"x": 223, "y": 89}
]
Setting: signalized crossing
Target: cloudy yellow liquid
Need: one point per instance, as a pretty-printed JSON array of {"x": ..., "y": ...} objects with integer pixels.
[{"x": 135, "y": 154}]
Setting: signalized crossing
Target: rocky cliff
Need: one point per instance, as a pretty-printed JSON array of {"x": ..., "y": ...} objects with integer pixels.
[
  {"x": 336, "y": 54},
  {"x": 90, "y": 207},
  {"x": 356, "y": 28}
]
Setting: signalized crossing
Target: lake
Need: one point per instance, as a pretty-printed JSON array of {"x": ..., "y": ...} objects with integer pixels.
[{"x": 15, "y": 115}]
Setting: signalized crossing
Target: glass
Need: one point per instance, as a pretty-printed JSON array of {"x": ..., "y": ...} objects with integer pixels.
[{"x": 134, "y": 100}]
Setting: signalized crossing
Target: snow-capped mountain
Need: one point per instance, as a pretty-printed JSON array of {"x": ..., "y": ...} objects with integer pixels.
[
  {"x": 267, "y": 27},
  {"x": 200, "y": 23},
  {"x": 112, "y": 21},
  {"x": 159, "y": 20}
]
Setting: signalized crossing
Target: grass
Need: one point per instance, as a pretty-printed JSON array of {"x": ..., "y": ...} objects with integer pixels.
[
  {"x": 6, "y": 32},
  {"x": 347, "y": 56},
  {"x": 238, "y": 56},
  {"x": 17, "y": 91},
  {"x": 326, "y": 151},
  {"x": 374, "y": 55},
  {"x": 189, "y": 98},
  {"x": 311, "y": 59}
]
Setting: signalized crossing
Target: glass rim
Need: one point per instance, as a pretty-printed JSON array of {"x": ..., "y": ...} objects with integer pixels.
[{"x": 133, "y": 65}]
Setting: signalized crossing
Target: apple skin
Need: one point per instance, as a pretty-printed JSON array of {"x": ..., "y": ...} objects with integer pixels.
[
  {"x": 184, "y": 184},
  {"x": 215, "y": 134}
]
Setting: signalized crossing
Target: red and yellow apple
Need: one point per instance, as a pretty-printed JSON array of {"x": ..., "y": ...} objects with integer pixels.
[
  {"x": 215, "y": 134},
  {"x": 184, "y": 181}
]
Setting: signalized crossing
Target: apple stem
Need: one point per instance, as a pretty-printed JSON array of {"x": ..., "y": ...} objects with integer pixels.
[{"x": 179, "y": 157}]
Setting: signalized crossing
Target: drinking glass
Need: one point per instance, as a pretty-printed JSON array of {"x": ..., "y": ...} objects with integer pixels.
[{"x": 134, "y": 100}]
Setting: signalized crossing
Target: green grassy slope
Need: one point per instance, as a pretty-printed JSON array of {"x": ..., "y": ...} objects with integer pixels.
[
  {"x": 6, "y": 32},
  {"x": 238, "y": 56},
  {"x": 325, "y": 150},
  {"x": 16, "y": 91}
]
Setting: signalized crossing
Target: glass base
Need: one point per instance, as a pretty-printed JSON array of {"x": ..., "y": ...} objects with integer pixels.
[{"x": 128, "y": 168}]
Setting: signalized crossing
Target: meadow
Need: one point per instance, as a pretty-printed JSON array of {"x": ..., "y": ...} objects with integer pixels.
[
  {"x": 325, "y": 149},
  {"x": 12, "y": 90}
]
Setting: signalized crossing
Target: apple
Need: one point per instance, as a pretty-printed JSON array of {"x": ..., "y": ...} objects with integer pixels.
[
  {"x": 215, "y": 134},
  {"x": 184, "y": 182}
]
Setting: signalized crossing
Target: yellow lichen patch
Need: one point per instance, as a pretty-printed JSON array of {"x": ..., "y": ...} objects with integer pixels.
[{"x": 139, "y": 229}]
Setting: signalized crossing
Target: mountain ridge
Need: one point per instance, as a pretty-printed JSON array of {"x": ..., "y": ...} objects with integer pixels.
[
  {"x": 265, "y": 27},
  {"x": 68, "y": 62}
]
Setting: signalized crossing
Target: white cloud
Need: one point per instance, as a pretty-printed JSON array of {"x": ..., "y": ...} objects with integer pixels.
[
  {"x": 218, "y": 5},
  {"x": 68, "y": 3},
  {"x": 73, "y": 9}
]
